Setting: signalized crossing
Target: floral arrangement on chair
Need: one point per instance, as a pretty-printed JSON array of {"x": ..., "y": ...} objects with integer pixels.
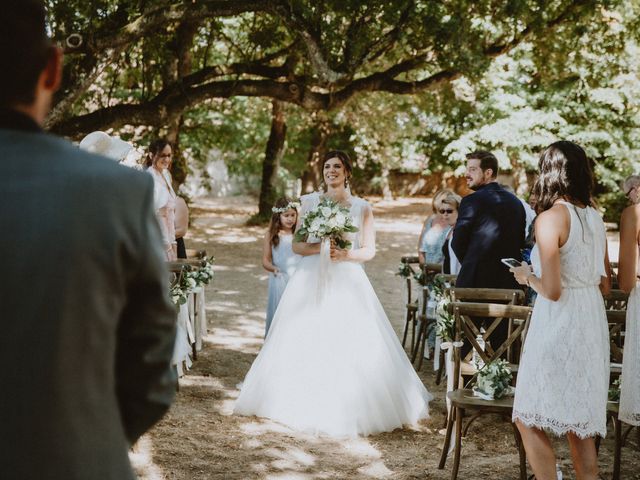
[
  {"x": 614, "y": 391},
  {"x": 405, "y": 270},
  {"x": 494, "y": 381},
  {"x": 189, "y": 279},
  {"x": 444, "y": 319}
]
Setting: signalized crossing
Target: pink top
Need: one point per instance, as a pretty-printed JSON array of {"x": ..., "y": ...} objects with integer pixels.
[{"x": 164, "y": 199}]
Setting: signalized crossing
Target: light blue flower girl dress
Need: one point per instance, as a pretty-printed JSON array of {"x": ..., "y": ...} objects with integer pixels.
[{"x": 286, "y": 261}]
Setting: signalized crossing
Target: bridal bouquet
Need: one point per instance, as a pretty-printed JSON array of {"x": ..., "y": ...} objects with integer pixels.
[
  {"x": 329, "y": 220},
  {"x": 493, "y": 381}
]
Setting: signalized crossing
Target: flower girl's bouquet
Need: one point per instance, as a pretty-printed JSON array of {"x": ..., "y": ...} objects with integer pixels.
[{"x": 329, "y": 220}]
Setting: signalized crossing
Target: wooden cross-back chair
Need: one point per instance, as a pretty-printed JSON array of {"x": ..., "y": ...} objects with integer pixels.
[
  {"x": 428, "y": 269},
  {"x": 410, "y": 305},
  {"x": 461, "y": 397},
  {"x": 482, "y": 295},
  {"x": 488, "y": 295},
  {"x": 192, "y": 253},
  {"x": 446, "y": 279},
  {"x": 616, "y": 320},
  {"x": 616, "y": 300}
]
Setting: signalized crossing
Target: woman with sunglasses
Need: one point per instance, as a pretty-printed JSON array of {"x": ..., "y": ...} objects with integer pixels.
[
  {"x": 628, "y": 281},
  {"x": 434, "y": 232},
  {"x": 449, "y": 212}
]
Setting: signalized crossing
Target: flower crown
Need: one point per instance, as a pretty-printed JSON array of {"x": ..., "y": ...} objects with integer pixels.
[{"x": 291, "y": 205}]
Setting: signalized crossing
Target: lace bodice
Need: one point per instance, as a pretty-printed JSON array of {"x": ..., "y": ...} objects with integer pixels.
[
  {"x": 582, "y": 256},
  {"x": 357, "y": 209}
]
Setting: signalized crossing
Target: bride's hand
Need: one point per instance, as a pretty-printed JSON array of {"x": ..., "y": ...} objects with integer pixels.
[{"x": 338, "y": 254}]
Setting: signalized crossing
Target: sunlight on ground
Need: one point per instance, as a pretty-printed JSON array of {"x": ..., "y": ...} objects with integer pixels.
[
  {"x": 296, "y": 458},
  {"x": 141, "y": 457}
]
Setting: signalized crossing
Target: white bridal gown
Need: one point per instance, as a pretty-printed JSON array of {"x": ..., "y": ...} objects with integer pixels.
[{"x": 332, "y": 364}]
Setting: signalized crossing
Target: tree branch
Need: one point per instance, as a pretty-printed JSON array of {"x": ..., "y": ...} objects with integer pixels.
[{"x": 166, "y": 104}]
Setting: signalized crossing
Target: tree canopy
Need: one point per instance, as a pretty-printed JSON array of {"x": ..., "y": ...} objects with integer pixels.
[{"x": 401, "y": 83}]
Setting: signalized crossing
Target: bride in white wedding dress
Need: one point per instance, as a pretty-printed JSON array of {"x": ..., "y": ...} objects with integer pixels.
[{"x": 331, "y": 363}]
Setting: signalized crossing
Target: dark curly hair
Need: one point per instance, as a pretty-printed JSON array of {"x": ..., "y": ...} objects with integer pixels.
[
  {"x": 565, "y": 172},
  {"x": 156, "y": 147}
]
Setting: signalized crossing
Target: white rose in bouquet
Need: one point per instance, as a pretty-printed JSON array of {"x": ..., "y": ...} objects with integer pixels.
[
  {"x": 328, "y": 220},
  {"x": 316, "y": 225}
]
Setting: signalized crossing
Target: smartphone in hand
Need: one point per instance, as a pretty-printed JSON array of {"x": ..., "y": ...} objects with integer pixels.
[{"x": 511, "y": 262}]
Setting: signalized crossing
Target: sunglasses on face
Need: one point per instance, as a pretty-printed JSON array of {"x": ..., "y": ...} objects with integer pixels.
[
  {"x": 446, "y": 210},
  {"x": 629, "y": 192}
]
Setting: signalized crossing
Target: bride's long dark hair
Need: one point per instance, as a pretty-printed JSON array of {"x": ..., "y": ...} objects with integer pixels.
[{"x": 565, "y": 172}]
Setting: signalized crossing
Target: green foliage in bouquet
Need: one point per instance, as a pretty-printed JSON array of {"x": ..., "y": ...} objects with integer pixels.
[
  {"x": 444, "y": 319},
  {"x": 328, "y": 220},
  {"x": 405, "y": 270},
  {"x": 181, "y": 287},
  {"x": 202, "y": 275},
  {"x": 614, "y": 391},
  {"x": 493, "y": 381},
  {"x": 189, "y": 279}
]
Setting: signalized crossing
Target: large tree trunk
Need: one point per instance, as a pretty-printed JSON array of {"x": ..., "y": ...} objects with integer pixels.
[
  {"x": 272, "y": 156},
  {"x": 312, "y": 176},
  {"x": 175, "y": 70}
]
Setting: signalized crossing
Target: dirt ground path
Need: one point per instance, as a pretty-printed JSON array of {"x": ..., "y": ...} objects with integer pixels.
[{"x": 201, "y": 439}]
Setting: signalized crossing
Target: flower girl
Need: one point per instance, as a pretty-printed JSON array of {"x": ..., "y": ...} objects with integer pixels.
[{"x": 277, "y": 255}]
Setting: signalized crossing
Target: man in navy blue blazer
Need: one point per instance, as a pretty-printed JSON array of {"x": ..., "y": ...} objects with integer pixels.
[{"x": 490, "y": 227}]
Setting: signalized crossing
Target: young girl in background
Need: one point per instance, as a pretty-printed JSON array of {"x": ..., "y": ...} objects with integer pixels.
[{"x": 277, "y": 255}]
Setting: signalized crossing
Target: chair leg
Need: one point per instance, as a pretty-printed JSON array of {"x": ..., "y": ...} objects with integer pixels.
[
  {"x": 458, "y": 444},
  {"x": 406, "y": 329},
  {"x": 416, "y": 349},
  {"x": 423, "y": 343},
  {"x": 625, "y": 435},
  {"x": 472, "y": 419},
  {"x": 440, "y": 368},
  {"x": 413, "y": 332},
  {"x": 521, "y": 453},
  {"x": 447, "y": 439},
  {"x": 617, "y": 449},
  {"x": 420, "y": 347}
]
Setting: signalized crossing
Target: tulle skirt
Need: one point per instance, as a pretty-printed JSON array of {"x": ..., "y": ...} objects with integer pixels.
[{"x": 333, "y": 365}]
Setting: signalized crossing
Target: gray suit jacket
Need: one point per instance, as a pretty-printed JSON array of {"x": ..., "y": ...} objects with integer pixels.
[{"x": 86, "y": 325}]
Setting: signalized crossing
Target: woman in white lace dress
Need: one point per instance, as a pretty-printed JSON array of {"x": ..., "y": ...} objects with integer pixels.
[
  {"x": 563, "y": 378},
  {"x": 628, "y": 280},
  {"x": 332, "y": 364}
]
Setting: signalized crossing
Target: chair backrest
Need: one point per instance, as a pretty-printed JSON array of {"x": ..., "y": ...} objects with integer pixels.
[
  {"x": 428, "y": 268},
  {"x": 466, "y": 331},
  {"x": 490, "y": 295},
  {"x": 446, "y": 278},
  {"x": 192, "y": 253},
  {"x": 616, "y": 300},
  {"x": 487, "y": 295},
  {"x": 616, "y": 320},
  {"x": 409, "y": 260}
]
